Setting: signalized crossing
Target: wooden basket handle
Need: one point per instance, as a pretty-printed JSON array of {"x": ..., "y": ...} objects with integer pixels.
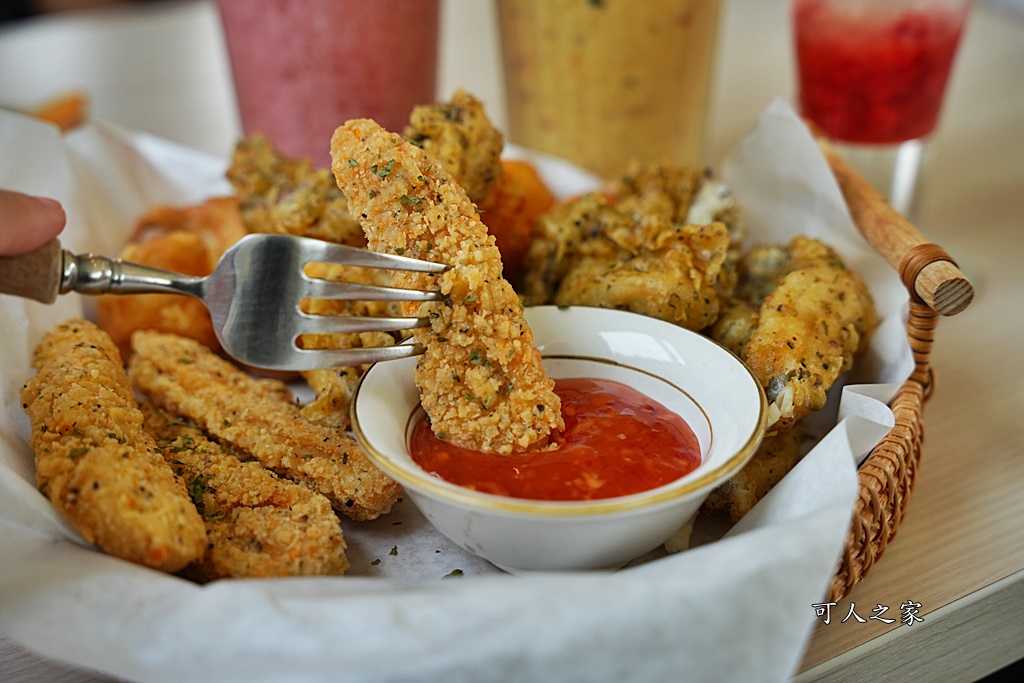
[{"x": 928, "y": 272}]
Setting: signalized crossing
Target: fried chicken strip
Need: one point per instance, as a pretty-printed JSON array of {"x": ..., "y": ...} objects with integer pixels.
[
  {"x": 95, "y": 462},
  {"x": 258, "y": 524},
  {"x": 183, "y": 377},
  {"x": 481, "y": 380}
]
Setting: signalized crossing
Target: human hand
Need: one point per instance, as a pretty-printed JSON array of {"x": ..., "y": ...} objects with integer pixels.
[{"x": 27, "y": 222}]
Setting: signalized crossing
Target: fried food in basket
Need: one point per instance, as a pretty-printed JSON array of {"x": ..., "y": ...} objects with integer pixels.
[
  {"x": 334, "y": 386},
  {"x": 638, "y": 247},
  {"x": 777, "y": 455},
  {"x": 95, "y": 462},
  {"x": 674, "y": 279},
  {"x": 278, "y": 194},
  {"x": 459, "y": 136},
  {"x": 481, "y": 380},
  {"x": 258, "y": 524},
  {"x": 814, "y": 318},
  {"x": 183, "y": 377},
  {"x": 189, "y": 240},
  {"x": 510, "y": 194}
]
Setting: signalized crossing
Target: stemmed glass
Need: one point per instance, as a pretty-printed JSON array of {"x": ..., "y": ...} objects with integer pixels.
[{"x": 872, "y": 75}]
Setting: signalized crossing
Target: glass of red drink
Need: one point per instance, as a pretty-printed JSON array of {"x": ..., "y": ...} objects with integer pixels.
[
  {"x": 301, "y": 68},
  {"x": 873, "y": 73}
]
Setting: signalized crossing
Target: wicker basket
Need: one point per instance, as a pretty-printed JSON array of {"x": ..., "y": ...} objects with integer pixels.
[{"x": 936, "y": 287}]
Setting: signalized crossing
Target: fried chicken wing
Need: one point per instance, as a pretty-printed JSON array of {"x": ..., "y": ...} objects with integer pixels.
[
  {"x": 258, "y": 524},
  {"x": 95, "y": 462},
  {"x": 810, "y": 326},
  {"x": 184, "y": 378},
  {"x": 481, "y": 380},
  {"x": 651, "y": 243},
  {"x": 277, "y": 194},
  {"x": 459, "y": 136},
  {"x": 676, "y": 281},
  {"x": 630, "y": 251},
  {"x": 777, "y": 455}
]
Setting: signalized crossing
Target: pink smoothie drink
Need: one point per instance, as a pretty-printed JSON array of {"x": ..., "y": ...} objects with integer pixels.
[{"x": 303, "y": 67}]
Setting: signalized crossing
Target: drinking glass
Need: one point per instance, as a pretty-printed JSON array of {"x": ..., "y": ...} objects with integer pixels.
[
  {"x": 301, "y": 68},
  {"x": 872, "y": 75},
  {"x": 604, "y": 82}
]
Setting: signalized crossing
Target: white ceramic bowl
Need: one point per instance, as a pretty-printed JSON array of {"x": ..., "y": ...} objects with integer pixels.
[{"x": 686, "y": 372}]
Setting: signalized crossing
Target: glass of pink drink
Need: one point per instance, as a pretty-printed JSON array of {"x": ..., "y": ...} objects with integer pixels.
[
  {"x": 872, "y": 74},
  {"x": 303, "y": 67}
]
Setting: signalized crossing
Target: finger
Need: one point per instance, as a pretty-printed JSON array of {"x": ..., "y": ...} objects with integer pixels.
[{"x": 28, "y": 222}]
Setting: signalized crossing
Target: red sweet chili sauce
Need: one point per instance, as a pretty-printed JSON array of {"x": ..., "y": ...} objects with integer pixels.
[{"x": 616, "y": 442}]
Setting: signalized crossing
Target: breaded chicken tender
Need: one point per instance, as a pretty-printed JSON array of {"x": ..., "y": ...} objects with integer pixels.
[
  {"x": 278, "y": 194},
  {"x": 809, "y": 329},
  {"x": 184, "y": 378},
  {"x": 481, "y": 380},
  {"x": 95, "y": 462},
  {"x": 258, "y": 524},
  {"x": 459, "y": 136}
]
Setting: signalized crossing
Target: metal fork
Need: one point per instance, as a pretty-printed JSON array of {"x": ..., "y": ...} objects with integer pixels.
[{"x": 253, "y": 295}]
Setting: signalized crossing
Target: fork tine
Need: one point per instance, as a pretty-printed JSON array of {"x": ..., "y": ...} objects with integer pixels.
[
  {"x": 338, "y": 324},
  {"x": 353, "y": 256},
  {"x": 350, "y": 291},
  {"x": 312, "y": 359}
]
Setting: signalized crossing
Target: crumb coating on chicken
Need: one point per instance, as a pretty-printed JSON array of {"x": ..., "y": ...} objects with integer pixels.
[
  {"x": 259, "y": 525},
  {"x": 95, "y": 462},
  {"x": 481, "y": 380},
  {"x": 185, "y": 378}
]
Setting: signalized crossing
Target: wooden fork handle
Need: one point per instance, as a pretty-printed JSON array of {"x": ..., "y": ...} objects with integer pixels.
[
  {"x": 928, "y": 272},
  {"x": 34, "y": 275}
]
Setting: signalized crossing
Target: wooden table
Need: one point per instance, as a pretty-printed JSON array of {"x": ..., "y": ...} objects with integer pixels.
[{"x": 960, "y": 551}]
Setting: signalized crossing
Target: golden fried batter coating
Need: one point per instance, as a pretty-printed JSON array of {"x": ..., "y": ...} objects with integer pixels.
[
  {"x": 258, "y": 524},
  {"x": 481, "y": 380},
  {"x": 809, "y": 329},
  {"x": 459, "y": 136},
  {"x": 95, "y": 462},
  {"x": 184, "y": 378},
  {"x": 666, "y": 190},
  {"x": 655, "y": 242},
  {"x": 736, "y": 324},
  {"x": 277, "y": 194},
  {"x": 674, "y": 280},
  {"x": 334, "y": 388},
  {"x": 777, "y": 455}
]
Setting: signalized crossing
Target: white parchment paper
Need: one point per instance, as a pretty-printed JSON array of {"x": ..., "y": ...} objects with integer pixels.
[{"x": 735, "y": 609}]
